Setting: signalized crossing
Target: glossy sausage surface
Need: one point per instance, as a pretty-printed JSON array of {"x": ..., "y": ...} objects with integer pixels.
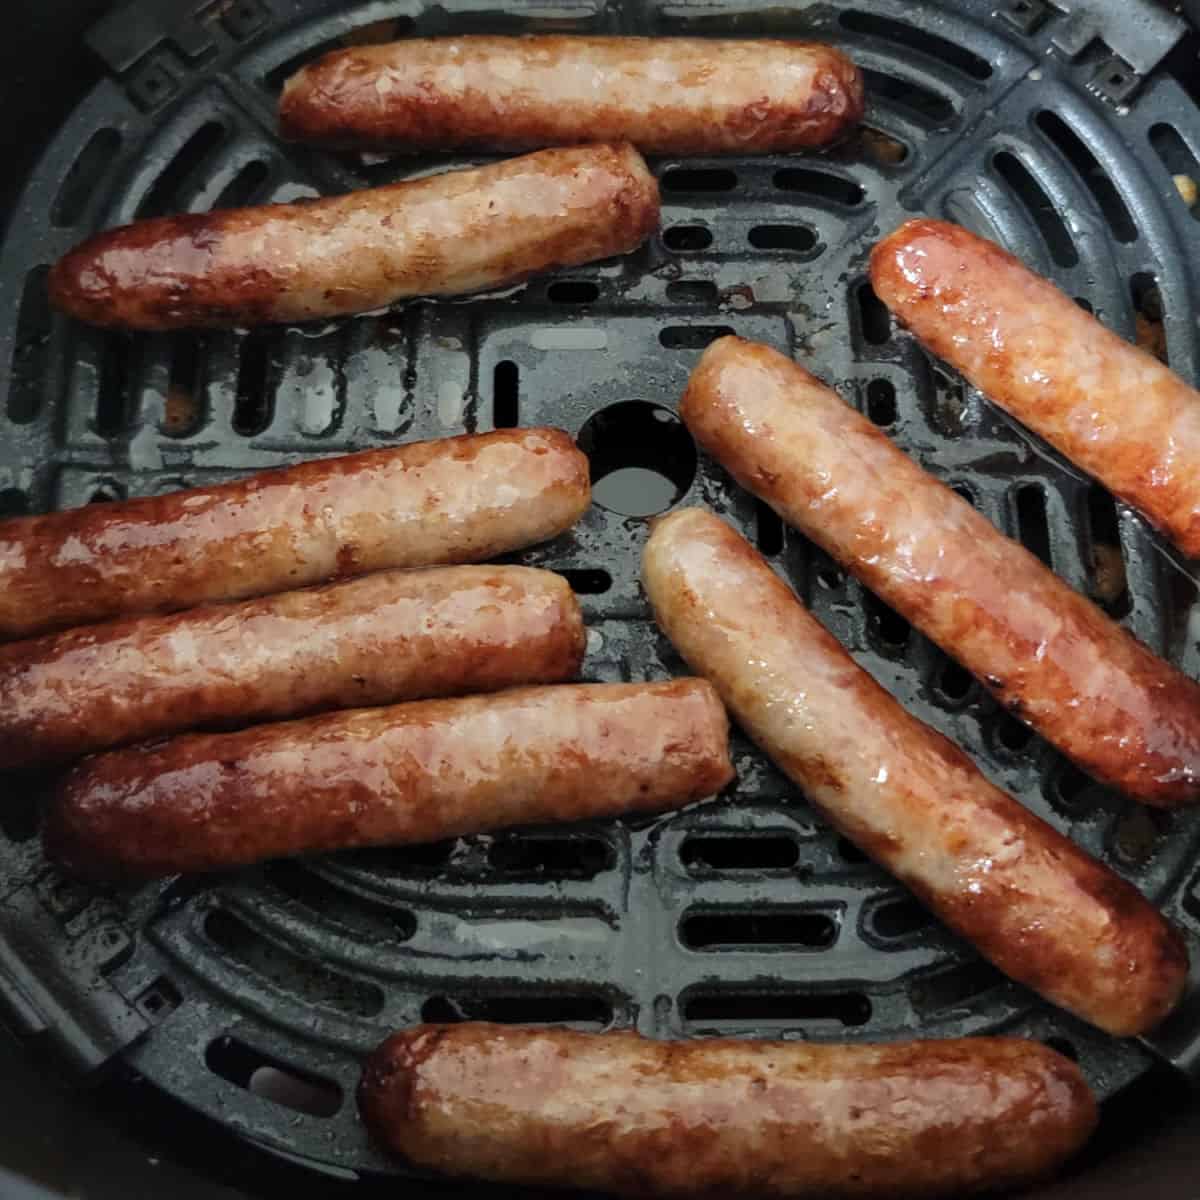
[
  {"x": 1047, "y": 653},
  {"x": 1030, "y": 900},
  {"x": 448, "y": 501},
  {"x": 665, "y": 95},
  {"x": 396, "y": 635},
  {"x": 449, "y": 234},
  {"x": 619, "y": 1113},
  {"x": 1111, "y": 408},
  {"x": 415, "y": 772}
]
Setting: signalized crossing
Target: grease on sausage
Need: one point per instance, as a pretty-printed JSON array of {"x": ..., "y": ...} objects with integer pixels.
[
  {"x": 454, "y": 500},
  {"x": 397, "y": 635},
  {"x": 415, "y": 772},
  {"x": 1032, "y": 902},
  {"x": 666, "y": 95},
  {"x": 619, "y": 1113},
  {"x": 1111, "y": 408},
  {"x": 449, "y": 234},
  {"x": 1047, "y": 653}
]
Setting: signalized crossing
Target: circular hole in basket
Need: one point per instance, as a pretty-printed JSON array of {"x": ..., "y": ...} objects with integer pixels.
[{"x": 643, "y": 460}]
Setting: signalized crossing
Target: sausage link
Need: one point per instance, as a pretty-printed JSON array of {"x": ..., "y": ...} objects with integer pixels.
[
  {"x": 616, "y": 1112},
  {"x": 412, "y": 773},
  {"x": 1111, "y": 408},
  {"x": 666, "y": 95},
  {"x": 1048, "y": 654},
  {"x": 397, "y": 635},
  {"x": 450, "y": 501},
  {"x": 1030, "y": 900},
  {"x": 463, "y": 231}
]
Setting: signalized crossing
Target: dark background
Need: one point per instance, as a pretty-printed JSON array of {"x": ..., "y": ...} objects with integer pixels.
[
  {"x": 44, "y": 69},
  {"x": 117, "y": 1140}
]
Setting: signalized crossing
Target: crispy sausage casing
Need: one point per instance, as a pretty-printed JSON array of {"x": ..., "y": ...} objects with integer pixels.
[
  {"x": 450, "y": 501},
  {"x": 1111, "y": 408},
  {"x": 463, "y": 231},
  {"x": 412, "y": 773},
  {"x": 1035, "y": 904},
  {"x": 1047, "y": 653},
  {"x": 620, "y": 1113},
  {"x": 396, "y": 635},
  {"x": 666, "y": 95}
]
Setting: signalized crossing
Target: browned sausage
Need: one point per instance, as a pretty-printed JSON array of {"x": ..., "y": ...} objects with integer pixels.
[
  {"x": 1111, "y": 408},
  {"x": 1048, "y": 654},
  {"x": 412, "y": 773},
  {"x": 1031, "y": 901},
  {"x": 455, "y": 500},
  {"x": 463, "y": 231},
  {"x": 397, "y": 635},
  {"x": 666, "y": 95},
  {"x": 620, "y": 1113}
]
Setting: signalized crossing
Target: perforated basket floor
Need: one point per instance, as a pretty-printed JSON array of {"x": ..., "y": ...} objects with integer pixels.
[{"x": 744, "y": 916}]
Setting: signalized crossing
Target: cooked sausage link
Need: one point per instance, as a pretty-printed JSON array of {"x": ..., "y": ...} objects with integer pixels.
[
  {"x": 397, "y": 635},
  {"x": 1047, "y": 653},
  {"x": 415, "y": 772},
  {"x": 1111, "y": 408},
  {"x": 450, "y": 234},
  {"x": 1035, "y": 904},
  {"x": 619, "y": 1113},
  {"x": 450, "y": 501},
  {"x": 666, "y": 95}
]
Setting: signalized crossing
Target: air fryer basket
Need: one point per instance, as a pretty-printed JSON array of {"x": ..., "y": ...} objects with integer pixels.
[{"x": 252, "y": 997}]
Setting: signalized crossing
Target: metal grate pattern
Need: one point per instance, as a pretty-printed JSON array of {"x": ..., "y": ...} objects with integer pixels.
[{"x": 251, "y": 997}]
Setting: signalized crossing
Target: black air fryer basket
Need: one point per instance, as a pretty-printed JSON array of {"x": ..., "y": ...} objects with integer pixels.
[{"x": 251, "y": 998}]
